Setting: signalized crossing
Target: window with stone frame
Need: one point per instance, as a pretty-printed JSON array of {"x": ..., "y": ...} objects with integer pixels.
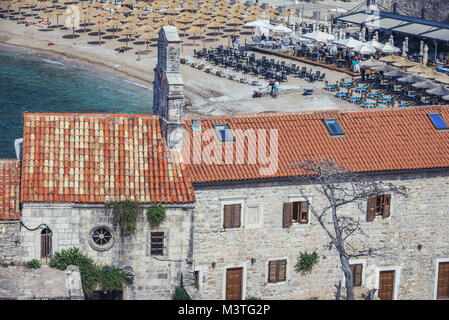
[
  {"x": 232, "y": 215},
  {"x": 157, "y": 243},
  {"x": 378, "y": 205},
  {"x": 357, "y": 270},
  {"x": 295, "y": 212},
  {"x": 277, "y": 271}
]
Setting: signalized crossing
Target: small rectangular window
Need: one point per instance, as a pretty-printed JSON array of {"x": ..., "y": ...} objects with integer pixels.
[
  {"x": 277, "y": 271},
  {"x": 438, "y": 121},
  {"x": 231, "y": 215},
  {"x": 157, "y": 243},
  {"x": 333, "y": 127},
  {"x": 378, "y": 206},
  {"x": 300, "y": 212},
  {"x": 224, "y": 133},
  {"x": 357, "y": 270}
]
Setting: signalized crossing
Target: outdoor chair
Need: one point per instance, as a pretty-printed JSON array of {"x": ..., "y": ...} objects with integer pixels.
[{"x": 322, "y": 77}]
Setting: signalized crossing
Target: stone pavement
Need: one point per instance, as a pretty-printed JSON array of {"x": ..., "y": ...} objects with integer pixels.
[{"x": 21, "y": 283}]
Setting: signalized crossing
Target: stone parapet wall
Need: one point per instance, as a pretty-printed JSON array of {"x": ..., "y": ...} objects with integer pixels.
[{"x": 10, "y": 248}]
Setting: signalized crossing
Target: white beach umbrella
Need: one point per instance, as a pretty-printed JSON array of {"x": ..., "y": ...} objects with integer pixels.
[
  {"x": 375, "y": 44},
  {"x": 281, "y": 28},
  {"x": 259, "y": 23},
  {"x": 352, "y": 43},
  {"x": 365, "y": 49},
  {"x": 318, "y": 36},
  {"x": 388, "y": 48}
]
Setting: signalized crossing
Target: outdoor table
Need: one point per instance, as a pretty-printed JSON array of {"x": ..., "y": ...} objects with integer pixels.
[
  {"x": 341, "y": 94},
  {"x": 361, "y": 89},
  {"x": 403, "y": 104},
  {"x": 369, "y": 104},
  {"x": 341, "y": 63},
  {"x": 386, "y": 99},
  {"x": 373, "y": 94},
  {"x": 347, "y": 83},
  {"x": 331, "y": 87},
  {"x": 354, "y": 99}
]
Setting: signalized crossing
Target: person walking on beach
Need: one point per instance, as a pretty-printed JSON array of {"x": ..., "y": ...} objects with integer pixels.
[
  {"x": 233, "y": 40},
  {"x": 363, "y": 70},
  {"x": 276, "y": 89},
  {"x": 271, "y": 83}
]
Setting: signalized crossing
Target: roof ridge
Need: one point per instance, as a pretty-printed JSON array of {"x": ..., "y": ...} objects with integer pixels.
[
  {"x": 25, "y": 114},
  {"x": 305, "y": 112}
]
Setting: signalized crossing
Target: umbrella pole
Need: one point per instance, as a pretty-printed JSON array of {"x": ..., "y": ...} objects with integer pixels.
[
  {"x": 147, "y": 44},
  {"x": 99, "y": 37}
]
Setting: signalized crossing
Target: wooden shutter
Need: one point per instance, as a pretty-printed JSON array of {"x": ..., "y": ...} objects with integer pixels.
[
  {"x": 386, "y": 205},
  {"x": 287, "y": 214},
  {"x": 371, "y": 208},
  {"x": 237, "y": 209},
  {"x": 357, "y": 270},
  {"x": 305, "y": 210},
  {"x": 443, "y": 281},
  {"x": 272, "y": 271},
  {"x": 282, "y": 270},
  {"x": 227, "y": 212}
]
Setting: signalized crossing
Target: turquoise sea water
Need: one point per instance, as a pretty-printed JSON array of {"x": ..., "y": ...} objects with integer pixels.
[{"x": 36, "y": 84}]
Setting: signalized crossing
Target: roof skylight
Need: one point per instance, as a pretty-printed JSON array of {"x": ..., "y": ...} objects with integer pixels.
[
  {"x": 438, "y": 121},
  {"x": 224, "y": 133},
  {"x": 333, "y": 127}
]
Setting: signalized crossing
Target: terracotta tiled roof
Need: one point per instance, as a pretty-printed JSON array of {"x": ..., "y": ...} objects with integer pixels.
[
  {"x": 374, "y": 140},
  {"x": 9, "y": 189},
  {"x": 93, "y": 158}
]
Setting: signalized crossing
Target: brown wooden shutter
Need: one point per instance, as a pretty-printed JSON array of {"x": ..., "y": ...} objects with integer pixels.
[
  {"x": 237, "y": 208},
  {"x": 287, "y": 214},
  {"x": 305, "y": 210},
  {"x": 386, "y": 205},
  {"x": 371, "y": 208},
  {"x": 282, "y": 273},
  {"x": 357, "y": 270},
  {"x": 227, "y": 216},
  {"x": 272, "y": 271}
]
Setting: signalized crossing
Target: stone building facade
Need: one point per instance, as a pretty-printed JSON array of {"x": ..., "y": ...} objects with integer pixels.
[
  {"x": 415, "y": 236},
  {"x": 155, "y": 276}
]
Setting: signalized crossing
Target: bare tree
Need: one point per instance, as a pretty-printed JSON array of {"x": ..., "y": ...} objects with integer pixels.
[{"x": 341, "y": 187}]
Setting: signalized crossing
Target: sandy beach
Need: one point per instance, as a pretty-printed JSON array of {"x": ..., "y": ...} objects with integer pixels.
[{"x": 205, "y": 93}]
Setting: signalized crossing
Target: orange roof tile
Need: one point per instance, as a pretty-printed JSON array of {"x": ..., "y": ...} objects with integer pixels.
[
  {"x": 374, "y": 140},
  {"x": 9, "y": 189},
  {"x": 93, "y": 158}
]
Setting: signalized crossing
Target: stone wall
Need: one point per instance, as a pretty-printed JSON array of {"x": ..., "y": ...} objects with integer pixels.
[
  {"x": 10, "y": 248},
  {"x": 155, "y": 276},
  {"x": 420, "y": 221}
]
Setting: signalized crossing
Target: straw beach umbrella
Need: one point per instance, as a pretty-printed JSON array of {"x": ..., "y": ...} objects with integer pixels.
[
  {"x": 147, "y": 36},
  {"x": 115, "y": 24},
  {"x": 419, "y": 68},
  {"x": 127, "y": 33},
  {"x": 214, "y": 25},
  {"x": 438, "y": 91},
  {"x": 391, "y": 58},
  {"x": 99, "y": 27},
  {"x": 404, "y": 63},
  {"x": 194, "y": 30},
  {"x": 443, "y": 79},
  {"x": 57, "y": 13},
  {"x": 235, "y": 22},
  {"x": 426, "y": 84}
]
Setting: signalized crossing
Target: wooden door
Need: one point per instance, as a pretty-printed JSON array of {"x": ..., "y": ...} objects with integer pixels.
[
  {"x": 443, "y": 281},
  {"x": 234, "y": 277},
  {"x": 386, "y": 285}
]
